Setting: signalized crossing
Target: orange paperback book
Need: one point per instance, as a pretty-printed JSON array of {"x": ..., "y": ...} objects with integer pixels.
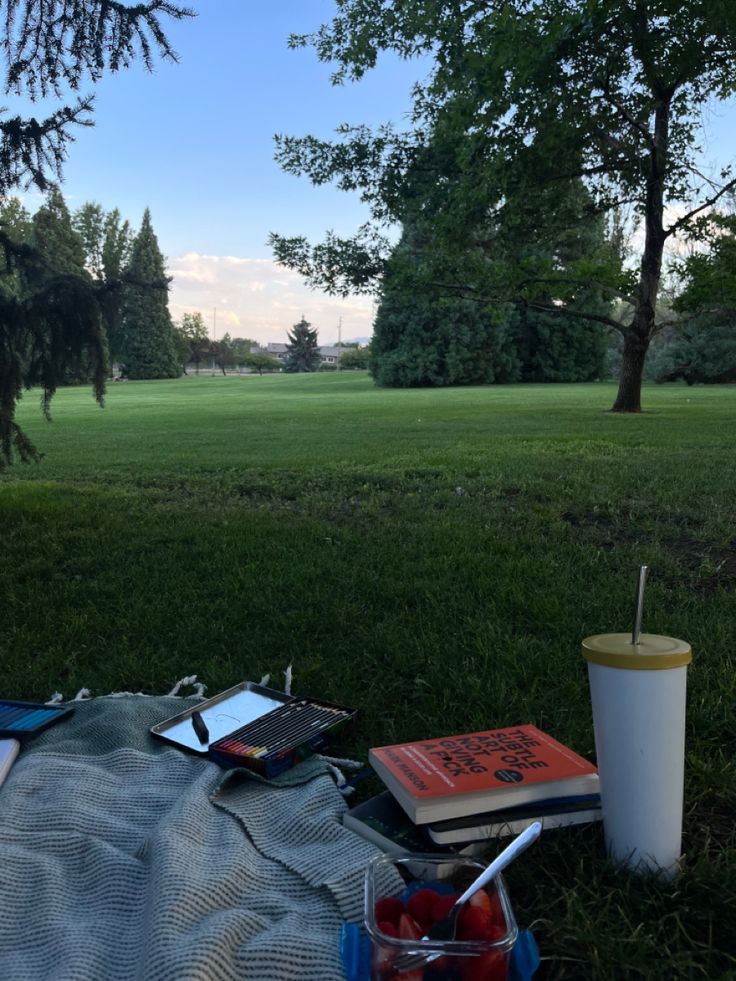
[{"x": 456, "y": 776}]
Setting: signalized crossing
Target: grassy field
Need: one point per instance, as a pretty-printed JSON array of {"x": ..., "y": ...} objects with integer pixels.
[{"x": 433, "y": 558}]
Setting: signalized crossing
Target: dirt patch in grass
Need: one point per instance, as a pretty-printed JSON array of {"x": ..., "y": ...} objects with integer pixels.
[
  {"x": 701, "y": 565},
  {"x": 599, "y": 529},
  {"x": 710, "y": 567}
]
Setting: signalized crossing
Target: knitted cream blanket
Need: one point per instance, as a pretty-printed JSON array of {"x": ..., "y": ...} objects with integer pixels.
[{"x": 123, "y": 858}]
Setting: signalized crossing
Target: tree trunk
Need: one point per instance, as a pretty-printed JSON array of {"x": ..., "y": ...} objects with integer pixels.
[
  {"x": 628, "y": 398},
  {"x": 641, "y": 330}
]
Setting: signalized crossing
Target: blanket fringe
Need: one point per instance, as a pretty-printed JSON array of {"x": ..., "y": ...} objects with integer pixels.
[
  {"x": 334, "y": 764},
  {"x": 190, "y": 680}
]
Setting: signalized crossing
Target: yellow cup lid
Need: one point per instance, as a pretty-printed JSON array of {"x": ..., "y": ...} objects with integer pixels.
[{"x": 652, "y": 653}]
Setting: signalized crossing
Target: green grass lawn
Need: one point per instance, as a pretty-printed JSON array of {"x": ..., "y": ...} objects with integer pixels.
[{"x": 432, "y": 557}]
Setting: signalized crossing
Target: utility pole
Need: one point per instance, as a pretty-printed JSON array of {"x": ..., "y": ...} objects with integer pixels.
[
  {"x": 339, "y": 342},
  {"x": 214, "y": 338}
]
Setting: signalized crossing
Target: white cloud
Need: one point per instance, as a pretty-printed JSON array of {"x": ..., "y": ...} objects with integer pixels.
[{"x": 263, "y": 300}]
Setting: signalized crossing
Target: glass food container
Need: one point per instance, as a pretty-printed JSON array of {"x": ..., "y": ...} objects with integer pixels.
[{"x": 453, "y": 960}]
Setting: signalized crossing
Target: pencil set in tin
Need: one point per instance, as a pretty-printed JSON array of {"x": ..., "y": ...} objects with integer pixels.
[
  {"x": 257, "y": 728},
  {"x": 282, "y": 737}
]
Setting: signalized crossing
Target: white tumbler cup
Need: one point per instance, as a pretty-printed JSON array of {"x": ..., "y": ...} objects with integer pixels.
[{"x": 638, "y": 697}]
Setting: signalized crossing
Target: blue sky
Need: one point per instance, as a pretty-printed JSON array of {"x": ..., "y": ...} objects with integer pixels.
[{"x": 194, "y": 142}]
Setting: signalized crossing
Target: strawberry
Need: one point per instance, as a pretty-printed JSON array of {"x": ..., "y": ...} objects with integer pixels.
[
  {"x": 385, "y": 926},
  {"x": 481, "y": 900},
  {"x": 388, "y": 910},
  {"x": 491, "y": 966},
  {"x": 442, "y": 906},
  {"x": 420, "y": 906},
  {"x": 490, "y": 903},
  {"x": 409, "y": 928},
  {"x": 474, "y": 924},
  {"x": 497, "y": 910}
]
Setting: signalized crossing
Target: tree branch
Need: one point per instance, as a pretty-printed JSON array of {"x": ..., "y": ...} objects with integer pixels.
[
  {"x": 701, "y": 207},
  {"x": 658, "y": 327},
  {"x": 606, "y": 96},
  {"x": 609, "y": 290},
  {"x": 704, "y": 177},
  {"x": 561, "y": 311},
  {"x": 564, "y": 311}
]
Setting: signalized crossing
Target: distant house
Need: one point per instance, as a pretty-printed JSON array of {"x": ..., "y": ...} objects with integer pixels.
[
  {"x": 276, "y": 350},
  {"x": 328, "y": 355}
]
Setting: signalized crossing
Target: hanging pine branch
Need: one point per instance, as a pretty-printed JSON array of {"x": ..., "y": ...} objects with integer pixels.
[{"x": 53, "y": 43}]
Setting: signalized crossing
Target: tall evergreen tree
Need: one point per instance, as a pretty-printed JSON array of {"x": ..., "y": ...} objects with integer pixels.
[
  {"x": 303, "y": 349},
  {"x": 422, "y": 336},
  {"x": 87, "y": 222},
  {"x": 58, "y": 245},
  {"x": 436, "y": 324},
  {"x": 149, "y": 350},
  {"x": 15, "y": 225},
  {"x": 50, "y": 315},
  {"x": 423, "y": 341},
  {"x": 107, "y": 244},
  {"x": 702, "y": 348},
  {"x": 60, "y": 250},
  {"x": 567, "y": 346},
  {"x": 557, "y": 349}
]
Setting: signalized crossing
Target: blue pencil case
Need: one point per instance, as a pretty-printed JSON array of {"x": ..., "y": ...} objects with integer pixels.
[{"x": 20, "y": 720}]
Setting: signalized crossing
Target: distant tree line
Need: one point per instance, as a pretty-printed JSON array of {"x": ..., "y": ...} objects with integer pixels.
[{"x": 195, "y": 347}]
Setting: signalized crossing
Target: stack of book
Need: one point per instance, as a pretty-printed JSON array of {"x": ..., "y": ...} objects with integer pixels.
[{"x": 458, "y": 791}]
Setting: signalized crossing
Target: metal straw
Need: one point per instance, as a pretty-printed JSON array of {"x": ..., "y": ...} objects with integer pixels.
[{"x": 639, "y": 606}]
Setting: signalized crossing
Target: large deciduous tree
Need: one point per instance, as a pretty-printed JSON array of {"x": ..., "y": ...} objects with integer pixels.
[
  {"x": 51, "y": 49},
  {"x": 149, "y": 349},
  {"x": 191, "y": 339},
  {"x": 260, "y": 361},
  {"x": 522, "y": 97}
]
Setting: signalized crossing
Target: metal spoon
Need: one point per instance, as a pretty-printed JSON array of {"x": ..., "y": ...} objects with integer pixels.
[{"x": 445, "y": 928}]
